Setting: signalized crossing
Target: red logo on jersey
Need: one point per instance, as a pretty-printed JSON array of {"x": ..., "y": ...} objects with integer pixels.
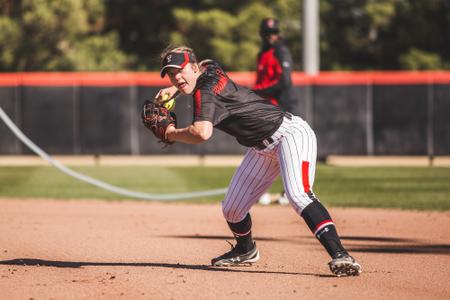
[{"x": 220, "y": 85}]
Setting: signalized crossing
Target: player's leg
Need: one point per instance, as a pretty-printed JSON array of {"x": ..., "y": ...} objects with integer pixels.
[
  {"x": 297, "y": 157},
  {"x": 253, "y": 177}
]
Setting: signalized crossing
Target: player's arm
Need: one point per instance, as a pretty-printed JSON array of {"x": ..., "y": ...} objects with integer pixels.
[
  {"x": 201, "y": 128},
  {"x": 196, "y": 133},
  {"x": 284, "y": 68}
]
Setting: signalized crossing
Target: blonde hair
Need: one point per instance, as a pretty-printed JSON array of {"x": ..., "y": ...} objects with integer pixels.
[{"x": 177, "y": 49}]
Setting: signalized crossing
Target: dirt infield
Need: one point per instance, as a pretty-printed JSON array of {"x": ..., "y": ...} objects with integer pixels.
[{"x": 133, "y": 250}]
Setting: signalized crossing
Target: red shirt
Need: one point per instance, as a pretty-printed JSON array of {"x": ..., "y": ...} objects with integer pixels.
[
  {"x": 273, "y": 77},
  {"x": 269, "y": 73}
]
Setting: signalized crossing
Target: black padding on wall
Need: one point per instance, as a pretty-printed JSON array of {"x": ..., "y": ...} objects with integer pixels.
[
  {"x": 340, "y": 119},
  {"x": 48, "y": 118},
  {"x": 299, "y": 108},
  {"x": 441, "y": 119},
  {"x": 9, "y": 144},
  {"x": 100, "y": 120},
  {"x": 400, "y": 119},
  {"x": 105, "y": 120}
]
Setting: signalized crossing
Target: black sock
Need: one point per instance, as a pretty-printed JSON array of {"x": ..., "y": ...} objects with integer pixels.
[
  {"x": 242, "y": 232},
  {"x": 322, "y": 226},
  {"x": 329, "y": 238}
]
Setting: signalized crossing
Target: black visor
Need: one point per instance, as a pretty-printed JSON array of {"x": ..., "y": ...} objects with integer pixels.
[{"x": 176, "y": 60}]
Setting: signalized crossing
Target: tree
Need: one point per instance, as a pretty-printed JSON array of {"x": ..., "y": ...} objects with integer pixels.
[
  {"x": 416, "y": 59},
  {"x": 232, "y": 37},
  {"x": 55, "y": 34},
  {"x": 89, "y": 35},
  {"x": 369, "y": 34}
]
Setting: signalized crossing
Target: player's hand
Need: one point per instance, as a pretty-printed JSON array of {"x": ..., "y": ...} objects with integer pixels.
[{"x": 166, "y": 94}]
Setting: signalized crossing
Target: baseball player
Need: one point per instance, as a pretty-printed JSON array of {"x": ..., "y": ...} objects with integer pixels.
[
  {"x": 278, "y": 142},
  {"x": 273, "y": 76}
]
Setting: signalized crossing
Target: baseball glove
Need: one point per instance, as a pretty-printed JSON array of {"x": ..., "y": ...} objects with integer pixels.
[{"x": 157, "y": 118}]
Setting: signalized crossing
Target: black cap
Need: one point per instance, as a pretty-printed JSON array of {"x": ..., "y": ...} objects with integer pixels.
[
  {"x": 176, "y": 60},
  {"x": 268, "y": 26}
]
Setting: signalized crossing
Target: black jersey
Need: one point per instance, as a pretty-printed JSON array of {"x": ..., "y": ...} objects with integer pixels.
[{"x": 234, "y": 109}]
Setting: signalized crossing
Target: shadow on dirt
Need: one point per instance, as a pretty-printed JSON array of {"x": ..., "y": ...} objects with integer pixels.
[
  {"x": 78, "y": 264},
  {"x": 223, "y": 237},
  {"x": 397, "y": 245},
  {"x": 411, "y": 248},
  {"x": 383, "y": 245},
  {"x": 377, "y": 239}
]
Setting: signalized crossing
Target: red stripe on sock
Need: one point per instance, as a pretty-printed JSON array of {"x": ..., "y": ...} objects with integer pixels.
[
  {"x": 321, "y": 224},
  {"x": 242, "y": 234},
  {"x": 305, "y": 174}
]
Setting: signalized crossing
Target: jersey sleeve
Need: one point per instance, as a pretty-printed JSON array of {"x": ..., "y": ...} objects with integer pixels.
[
  {"x": 284, "y": 67},
  {"x": 204, "y": 106}
]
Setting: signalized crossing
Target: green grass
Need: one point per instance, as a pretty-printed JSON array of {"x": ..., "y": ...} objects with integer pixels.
[{"x": 406, "y": 187}]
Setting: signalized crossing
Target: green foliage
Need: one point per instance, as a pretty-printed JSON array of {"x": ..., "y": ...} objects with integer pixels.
[
  {"x": 10, "y": 37},
  {"x": 355, "y": 35},
  {"x": 416, "y": 60},
  {"x": 380, "y": 12},
  {"x": 231, "y": 38},
  {"x": 98, "y": 53},
  {"x": 53, "y": 32},
  {"x": 211, "y": 34},
  {"x": 381, "y": 34}
]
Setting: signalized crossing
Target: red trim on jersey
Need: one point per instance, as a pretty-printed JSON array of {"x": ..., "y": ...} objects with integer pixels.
[
  {"x": 274, "y": 101},
  {"x": 305, "y": 177},
  {"x": 197, "y": 103},
  {"x": 220, "y": 85}
]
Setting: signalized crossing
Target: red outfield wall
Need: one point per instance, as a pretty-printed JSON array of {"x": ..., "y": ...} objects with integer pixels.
[
  {"x": 244, "y": 78},
  {"x": 354, "y": 113}
]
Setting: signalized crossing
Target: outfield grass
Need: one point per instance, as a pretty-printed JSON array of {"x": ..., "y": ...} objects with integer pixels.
[{"x": 405, "y": 187}]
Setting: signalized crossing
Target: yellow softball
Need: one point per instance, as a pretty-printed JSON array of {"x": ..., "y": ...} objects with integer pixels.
[{"x": 170, "y": 104}]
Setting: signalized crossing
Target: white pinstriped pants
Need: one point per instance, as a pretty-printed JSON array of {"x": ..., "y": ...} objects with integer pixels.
[{"x": 292, "y": 154}]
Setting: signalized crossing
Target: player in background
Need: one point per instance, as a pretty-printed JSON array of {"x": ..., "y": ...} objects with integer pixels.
[
  {"x": 278, "y": 142},
  {"x": 273, "y": 77}
]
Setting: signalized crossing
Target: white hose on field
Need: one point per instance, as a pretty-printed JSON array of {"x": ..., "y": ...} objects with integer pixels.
[{"x": 121, "y": 191}]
